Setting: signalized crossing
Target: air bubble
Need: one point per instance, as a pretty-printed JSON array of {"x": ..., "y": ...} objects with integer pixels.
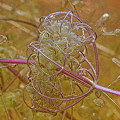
[
  {"x": 99, "y": 102},
  {"x": 95, "y": 116},
  {"x": 97, "y": 93},
  {"x": 85, "y": 111}
]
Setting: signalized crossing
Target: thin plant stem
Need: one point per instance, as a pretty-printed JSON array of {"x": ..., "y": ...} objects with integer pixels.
[
  {"x": 71, "y": 113},
  {"x": 8, "y": 115},
  {"x": 64, "y": 113},
  {"x": 11, "y": 82},
  {"x": 111, "y": 100},
  {"x": 21, "y": 21},
  {"x": 16, "y": 61},
  {"x": 16, "y": 73},
  {"x": 68, "y": 115},
  {"x": 105, "y": 89}
]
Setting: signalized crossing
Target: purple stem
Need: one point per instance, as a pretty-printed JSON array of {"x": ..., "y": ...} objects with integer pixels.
[
  {"x": 97, "y": 62},
  {"x": 115, "y": 92},
  {"x": 16, "y": 61},
  {"x": 19, "y": 61}
]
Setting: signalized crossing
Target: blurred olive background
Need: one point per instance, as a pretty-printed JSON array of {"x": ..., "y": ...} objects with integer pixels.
[{"x": 102, "y": 15}]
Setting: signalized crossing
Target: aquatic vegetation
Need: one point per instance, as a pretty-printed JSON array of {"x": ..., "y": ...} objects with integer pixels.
[
  {"x": 61, "y": 73},
  {"x": 58, "y": 56}
]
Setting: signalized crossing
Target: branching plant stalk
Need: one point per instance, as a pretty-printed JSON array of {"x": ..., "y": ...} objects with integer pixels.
[{"x": 80, "y": 79}]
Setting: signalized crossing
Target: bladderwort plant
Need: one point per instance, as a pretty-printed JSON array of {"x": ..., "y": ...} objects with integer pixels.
[{"x": 61, "y": 73}]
